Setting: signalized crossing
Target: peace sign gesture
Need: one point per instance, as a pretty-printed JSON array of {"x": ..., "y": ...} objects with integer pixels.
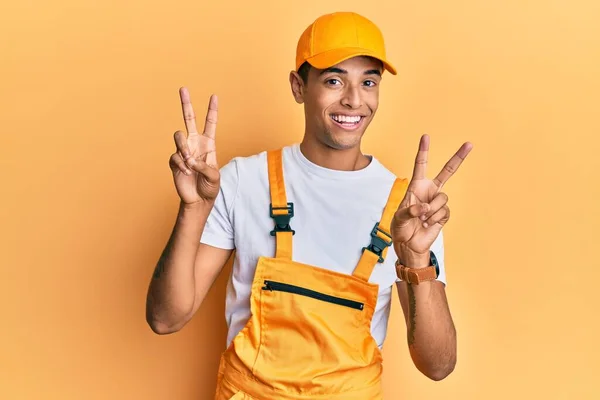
[
  {"x": 424, "y": 210},
  {"x": 194, "y": 164}
]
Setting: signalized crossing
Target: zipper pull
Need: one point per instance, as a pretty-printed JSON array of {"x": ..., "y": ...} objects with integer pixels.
[{"x": 267, "y": 286}]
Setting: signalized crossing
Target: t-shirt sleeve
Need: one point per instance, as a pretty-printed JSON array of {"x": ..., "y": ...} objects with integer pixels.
[
  {"x": 438, "y": 249},
  {"x": 219, "y": 229}
]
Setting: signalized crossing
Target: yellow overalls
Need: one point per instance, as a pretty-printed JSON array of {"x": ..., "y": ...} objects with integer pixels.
[{"x": 308, "y": 336}]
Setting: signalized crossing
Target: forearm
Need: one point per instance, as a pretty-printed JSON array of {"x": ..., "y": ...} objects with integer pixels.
[
  {"x": 171, "y": 292},
  {"x": 431, "y": 334}
]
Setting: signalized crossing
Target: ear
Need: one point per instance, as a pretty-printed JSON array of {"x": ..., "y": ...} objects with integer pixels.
[{"x": 297, "y": 86}]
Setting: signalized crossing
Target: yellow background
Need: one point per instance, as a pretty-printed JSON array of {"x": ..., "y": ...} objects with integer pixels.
[{"x": 88, "y": 106}]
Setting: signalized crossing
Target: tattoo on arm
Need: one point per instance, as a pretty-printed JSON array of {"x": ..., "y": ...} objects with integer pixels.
[{"x": 412, "y": 313}]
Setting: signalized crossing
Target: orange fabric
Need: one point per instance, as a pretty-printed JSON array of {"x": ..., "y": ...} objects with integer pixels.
[
  {"x": 276, "y": 182},
  {"x": 333, "y": 38},
  {"x": 308, "y": 336},
  {"x": 368, "y": 259},
  {"x": 278, "y": 201}
]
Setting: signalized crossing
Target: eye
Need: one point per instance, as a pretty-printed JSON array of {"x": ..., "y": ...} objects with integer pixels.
[
  {"x": 332, "y": 81},
  {"x": 370, "y": 83}
]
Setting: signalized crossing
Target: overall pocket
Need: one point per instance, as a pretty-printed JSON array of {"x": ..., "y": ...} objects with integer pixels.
[
  {"x": 302, "y": 291},
  {"x": 309, "y": 335}
]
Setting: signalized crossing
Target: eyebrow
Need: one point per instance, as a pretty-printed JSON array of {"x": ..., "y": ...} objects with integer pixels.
[{"x": 342, "y": 71}]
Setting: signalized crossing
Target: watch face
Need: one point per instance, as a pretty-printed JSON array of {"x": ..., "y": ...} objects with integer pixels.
[{"x": 434, "y": 262}]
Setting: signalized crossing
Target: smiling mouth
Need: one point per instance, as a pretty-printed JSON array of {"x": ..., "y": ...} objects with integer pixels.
[{"x": 348, "y": 122}]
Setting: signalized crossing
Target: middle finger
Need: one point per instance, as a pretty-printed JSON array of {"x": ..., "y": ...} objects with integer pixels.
[{"x": 452, "y": 165}]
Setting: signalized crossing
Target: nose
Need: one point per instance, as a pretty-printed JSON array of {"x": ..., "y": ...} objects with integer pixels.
[{"x": 351, "y": 97}]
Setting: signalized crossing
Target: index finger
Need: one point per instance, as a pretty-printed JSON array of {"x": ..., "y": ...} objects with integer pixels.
[
  {"x": 421, "y": 159},
  {"x": 188, "y": 112},
  {"x": 452, "y": 165}
]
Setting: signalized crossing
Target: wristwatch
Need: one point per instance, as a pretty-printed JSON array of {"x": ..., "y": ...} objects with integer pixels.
[{"x": 417, "y": 275}]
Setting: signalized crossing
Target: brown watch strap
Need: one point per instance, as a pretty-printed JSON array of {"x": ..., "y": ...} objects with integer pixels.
[{"x": 415, "y": 275}]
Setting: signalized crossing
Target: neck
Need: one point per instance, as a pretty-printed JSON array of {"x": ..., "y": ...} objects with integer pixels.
[{"x": 341, "y": 160}]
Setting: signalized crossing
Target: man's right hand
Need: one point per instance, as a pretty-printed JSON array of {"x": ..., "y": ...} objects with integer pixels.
[{"x": 194, "y": 164}]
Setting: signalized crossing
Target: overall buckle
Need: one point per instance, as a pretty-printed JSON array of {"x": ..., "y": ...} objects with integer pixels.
[
  {"x": 378, "y": 244},
  {"x": 282, "y": 221}
]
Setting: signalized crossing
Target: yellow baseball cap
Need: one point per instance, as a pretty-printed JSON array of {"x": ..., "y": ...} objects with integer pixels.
[{"x": 336, "y": 37}]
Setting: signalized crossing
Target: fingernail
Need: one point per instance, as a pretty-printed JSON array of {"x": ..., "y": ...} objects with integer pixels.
[{"x": 425, "y": 224}]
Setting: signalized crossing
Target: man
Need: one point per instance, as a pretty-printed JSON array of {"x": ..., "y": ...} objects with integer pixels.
[{"x": 308, "y": 299}]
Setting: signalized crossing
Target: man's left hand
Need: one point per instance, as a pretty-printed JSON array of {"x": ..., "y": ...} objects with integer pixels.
[{"x": 424, "y": 210}]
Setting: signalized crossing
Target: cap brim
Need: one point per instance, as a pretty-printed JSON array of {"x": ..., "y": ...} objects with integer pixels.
[{"x": 330, "y": 58}]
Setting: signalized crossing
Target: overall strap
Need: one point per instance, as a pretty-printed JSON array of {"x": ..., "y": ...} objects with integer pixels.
[
  {"x": 280, "y": 210},
  {"x": 381, "y": 237}
]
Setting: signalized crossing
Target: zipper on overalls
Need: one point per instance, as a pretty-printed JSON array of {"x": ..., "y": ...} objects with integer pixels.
[{"x": 285, "y": 287}]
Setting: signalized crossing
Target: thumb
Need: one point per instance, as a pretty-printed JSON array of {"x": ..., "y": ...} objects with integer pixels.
[{"x": 405, "y": 214}]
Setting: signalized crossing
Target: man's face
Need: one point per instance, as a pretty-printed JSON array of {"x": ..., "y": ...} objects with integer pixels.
[{"x": 340, "y": 102}]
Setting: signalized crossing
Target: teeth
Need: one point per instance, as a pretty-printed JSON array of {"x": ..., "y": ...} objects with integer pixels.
[{"x": 346, "y": 119}]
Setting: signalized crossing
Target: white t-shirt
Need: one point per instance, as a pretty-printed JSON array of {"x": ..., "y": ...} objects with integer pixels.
[{"x": 334, "y": 213}]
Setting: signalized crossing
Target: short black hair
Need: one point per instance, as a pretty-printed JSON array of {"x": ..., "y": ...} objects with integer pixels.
[{"x": 304, "y": 70}]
